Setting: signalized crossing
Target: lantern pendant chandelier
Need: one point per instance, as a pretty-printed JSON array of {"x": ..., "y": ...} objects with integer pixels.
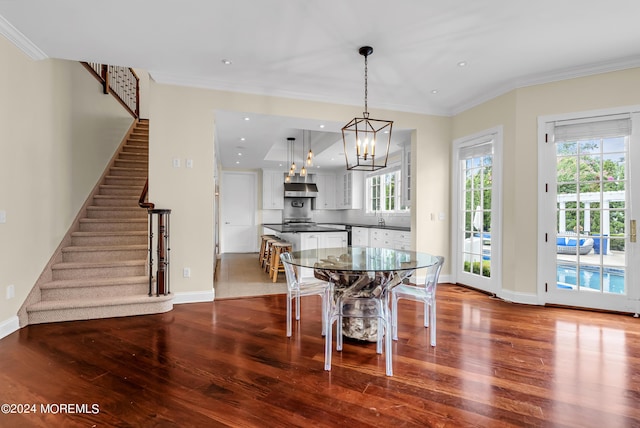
[
  {"x": 292, "y": 168},
  {"x": 366, "y": 141},
  {"x": 310, "y": 154}
]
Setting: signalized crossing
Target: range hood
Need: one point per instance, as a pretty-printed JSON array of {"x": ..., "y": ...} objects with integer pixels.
[{"x": 300, "y": 190}]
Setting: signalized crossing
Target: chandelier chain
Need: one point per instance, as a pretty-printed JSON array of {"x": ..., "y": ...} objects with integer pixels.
[{"x": 366, "y": 91}]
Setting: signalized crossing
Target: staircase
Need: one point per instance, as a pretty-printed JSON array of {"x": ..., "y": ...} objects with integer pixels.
[{"x": 103, "y": 272}]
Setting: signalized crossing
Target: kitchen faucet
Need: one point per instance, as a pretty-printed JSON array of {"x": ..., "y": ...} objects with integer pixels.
[{"x": 381, "y": 221}]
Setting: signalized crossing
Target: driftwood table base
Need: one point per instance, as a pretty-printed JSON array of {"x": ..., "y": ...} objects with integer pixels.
[{"x": 375, "y": 284}]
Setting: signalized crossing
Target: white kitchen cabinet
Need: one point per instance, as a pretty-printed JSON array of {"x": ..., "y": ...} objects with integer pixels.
[
  {"x": 402, "y": 240},
  {"x": 272, "y": 190},
  {"x": 380, "y": 238},
  {"x": 349, "y": 190},
  {"x": 315, "y": 241},
  {"x": 386, "y": 238},
  {"x": 326, "y": 199},
  {"x": 360, "y": 236}
]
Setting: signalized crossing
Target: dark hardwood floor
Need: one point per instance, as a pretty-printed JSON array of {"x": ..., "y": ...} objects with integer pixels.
[{"x": 228, "y": 363}]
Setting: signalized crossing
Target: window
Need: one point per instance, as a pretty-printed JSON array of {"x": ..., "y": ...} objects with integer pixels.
[{"x": 384, "y": 193}]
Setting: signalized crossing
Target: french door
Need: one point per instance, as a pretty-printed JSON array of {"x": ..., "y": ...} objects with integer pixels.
[
  {"x": 477, "y": 196},
  {"x": 587, "y": 212}
]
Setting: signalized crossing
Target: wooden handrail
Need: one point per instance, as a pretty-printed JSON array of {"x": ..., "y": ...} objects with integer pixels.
[
  {"x": 121, "y": 82},
  {"x": 142, "y": 202}
]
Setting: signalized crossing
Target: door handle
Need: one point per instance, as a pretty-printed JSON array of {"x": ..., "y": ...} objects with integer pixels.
[
  {"x": 227, "y": 222},
  {"x": 632, "y": 226}
]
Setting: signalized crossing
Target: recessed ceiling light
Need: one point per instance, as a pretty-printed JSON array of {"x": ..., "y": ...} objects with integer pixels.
[
  {"x": 434, "y": 91},
  {"x": 227, "y": 62},
  {"x": 242, "y": 139},
  {"x": 321, "y": 126},
  {"x": 237, "y": 162},
  {"x": 246, "y": 118},
  {"x": 462, "y": 63},
  {"x": 239, "y": 154}
]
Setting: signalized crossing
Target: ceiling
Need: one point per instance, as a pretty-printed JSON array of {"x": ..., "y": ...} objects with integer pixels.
[{"x": 307, "y": 49}]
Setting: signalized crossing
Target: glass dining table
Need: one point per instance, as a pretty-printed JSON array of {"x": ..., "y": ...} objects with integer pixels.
[{"x": 367, "y": 272}]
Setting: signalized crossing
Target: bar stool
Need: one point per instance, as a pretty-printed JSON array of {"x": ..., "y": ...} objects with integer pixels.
[
  {"x": 276, "y": 263},
  {"x": 266, "y": 261},
  {"x": 263, "y": 248}
]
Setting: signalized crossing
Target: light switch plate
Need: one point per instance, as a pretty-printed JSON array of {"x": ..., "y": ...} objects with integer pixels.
[
  {"x": 176, "y": 162},
  {"x": 3, "y": 216}
]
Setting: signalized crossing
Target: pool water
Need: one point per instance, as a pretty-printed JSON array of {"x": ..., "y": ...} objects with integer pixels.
[{"x": 612, "y": 280}]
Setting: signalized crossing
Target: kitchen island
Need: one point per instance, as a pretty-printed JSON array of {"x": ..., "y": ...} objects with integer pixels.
[
  {"x": 298, "y": 228},
  {"x": 308, "y": 236}
]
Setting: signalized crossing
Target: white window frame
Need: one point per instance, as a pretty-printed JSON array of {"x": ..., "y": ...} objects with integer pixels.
[{"x": 396, "y": 170}]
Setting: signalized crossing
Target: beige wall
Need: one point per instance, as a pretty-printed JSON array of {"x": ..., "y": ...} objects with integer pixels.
[
  {"x": 518, "y": 112},
  {"x": 182, "y": 124},
  {"x": 57, "y": 133}
]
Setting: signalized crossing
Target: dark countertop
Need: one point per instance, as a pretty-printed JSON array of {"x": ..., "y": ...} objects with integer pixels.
[
  {"x": 299, "y": 228},
  {"x": 374, "y": 226}
]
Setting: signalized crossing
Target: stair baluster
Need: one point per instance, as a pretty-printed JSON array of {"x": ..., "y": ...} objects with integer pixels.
[{"x": 162, "y": 251}]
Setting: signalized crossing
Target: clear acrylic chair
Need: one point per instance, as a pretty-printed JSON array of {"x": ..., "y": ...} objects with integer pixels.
[
  {"x": 425, "y": 294},
  {"x": 297, "y": 288},
  {"x": 345, "y": 305}
]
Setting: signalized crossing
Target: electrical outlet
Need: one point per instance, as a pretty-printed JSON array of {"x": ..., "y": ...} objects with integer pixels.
[
  {"x": 176, "y": 162},
  {"x": 11, "y": 291},
  {"x": 186, "y": 272},
  {"x": 189, "y": 163}
]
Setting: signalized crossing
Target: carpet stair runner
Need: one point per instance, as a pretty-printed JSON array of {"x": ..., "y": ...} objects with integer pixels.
[{"x": 103, "y": 271}]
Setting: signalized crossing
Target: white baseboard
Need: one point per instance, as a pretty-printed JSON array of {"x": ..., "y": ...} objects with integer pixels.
[
  {"x": 9, "y": 326},
  {"x": 194, "y": 297},
  {"x": 515, "y": 297}
]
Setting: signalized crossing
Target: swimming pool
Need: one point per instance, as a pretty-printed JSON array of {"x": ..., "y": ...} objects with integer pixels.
[{"x": 612, "y": 279}]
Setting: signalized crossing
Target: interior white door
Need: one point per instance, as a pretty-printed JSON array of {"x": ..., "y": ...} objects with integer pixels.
[{"x": 238, "y": 211}]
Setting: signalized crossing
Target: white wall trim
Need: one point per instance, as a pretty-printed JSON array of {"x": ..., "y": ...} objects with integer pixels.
[
  {"x": 516, "y": 297},
  {"x": 194, "y": 297},
  {"x": 9, "y": 326},
  {"x": 17, "y": 38}
]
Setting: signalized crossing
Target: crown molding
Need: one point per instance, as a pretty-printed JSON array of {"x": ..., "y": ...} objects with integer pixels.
[
  {"x": 247, "y": 88},
  {"x": 17, "y": 38},
  {"x": 553, "y": 76}
]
